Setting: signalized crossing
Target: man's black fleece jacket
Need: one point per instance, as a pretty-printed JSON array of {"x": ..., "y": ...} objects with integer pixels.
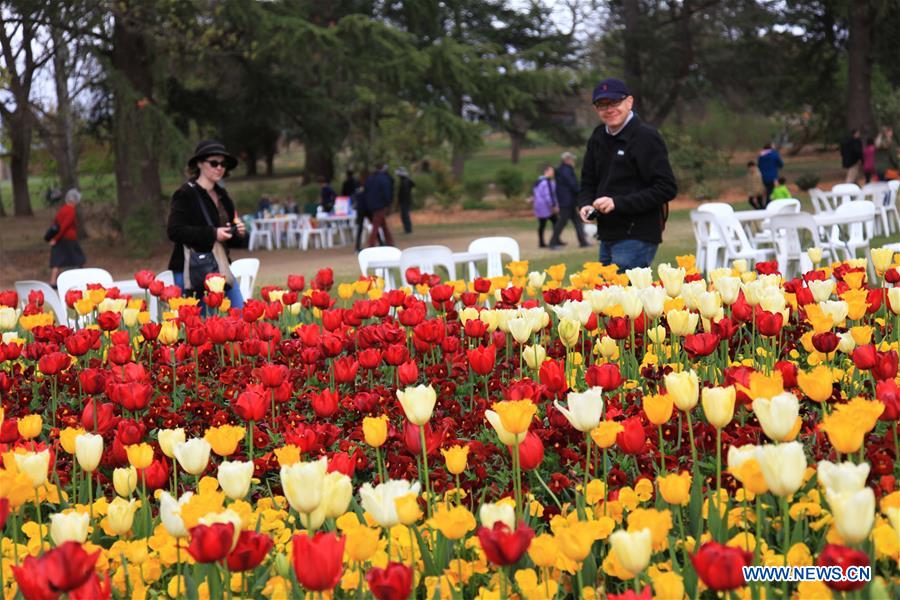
[{"x": 633, "y": 169}]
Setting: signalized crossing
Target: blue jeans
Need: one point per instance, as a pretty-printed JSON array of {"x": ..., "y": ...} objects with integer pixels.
[
  {"x": 627, "y": 254},
  {"x": 234, "y": 294}
]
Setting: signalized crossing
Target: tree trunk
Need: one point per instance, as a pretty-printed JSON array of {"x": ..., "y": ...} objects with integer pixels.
[
  {"x": 633, "y": 74},
  {"x": 66, "y": 154},
  {"x": 458, "y": 164},
  {"x": 20, "y": 142},
  {"x": 515, "y": 146},
  {"x": 859, "y": 51},
  {"x": 319, "y": 162},
  {"x": 250, "y": 170},
  {"x": 138, "y": 186}
]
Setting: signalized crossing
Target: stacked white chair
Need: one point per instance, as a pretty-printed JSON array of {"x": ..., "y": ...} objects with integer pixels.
[
  {"x": 245, "y": 271},
  {"x": 788, "y": 231},
  {"x": 427, "y": 259},
  {"x": 51, "y": 297},
  {"x": 259, "y": 235},
  {"x": 859, "y": 220},
  {"x": 495, "y": 248},
  {"x": 385, "y": 255}
]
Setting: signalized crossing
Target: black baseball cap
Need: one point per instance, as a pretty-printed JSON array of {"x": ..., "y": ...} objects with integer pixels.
[{"x": 610, "y": 89}]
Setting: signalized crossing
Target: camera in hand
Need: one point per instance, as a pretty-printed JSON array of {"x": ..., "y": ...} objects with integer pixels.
[
  {"x": 593, "y": 215},
  {"x": 233, "y": 229}
]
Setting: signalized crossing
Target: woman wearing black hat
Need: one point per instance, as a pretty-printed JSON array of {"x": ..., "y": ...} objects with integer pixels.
[{"x": 203, "y": 219}]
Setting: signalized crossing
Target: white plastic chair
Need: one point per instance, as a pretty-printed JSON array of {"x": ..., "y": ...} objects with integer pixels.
[
  {"x": 306, "y": 232},
  {"x": 790, "y": 246},
  {"x": 890, "y": 204},
  {"x": 495, "y": 248},
  {"x": 820, "y": 201},
  {"x": 259, "y": 235},
  {"x": 78, "y": 279},
  {"x": 780, "y": 206},
  {"x": 881, "y": 194},
  {"x": 427, "y": 259},
  {"x": 245, "y": 271},
  {"x": 737, "y": 244},
  {"x": 708, "y": 249},
  {"x": 51, "y": 297},
  {"x": 381, "y": 254},
  {"x": 859, "y": 220}
]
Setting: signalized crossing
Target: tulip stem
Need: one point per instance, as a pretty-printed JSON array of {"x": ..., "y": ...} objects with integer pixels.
[
  {"x": 37, "y": 508},
  {"x": 691, "y": 438},
  {"x": 546, "y": 487},
  {"x": 412, "y": 552},
  {"x": 662, "y": 452},
  {"x": 587, "y": 463},
  {"x": 516, "y": 481},
  {"x": 426, "y": 478}
]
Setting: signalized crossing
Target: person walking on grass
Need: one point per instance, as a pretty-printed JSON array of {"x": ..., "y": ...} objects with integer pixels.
[
  {"x": 567, "y": 195},
  {"x": 379, "y": 190},
  {"x": 851, "y": 156},
  {"x": 546, "y": 206},
  {"x": 65, "y": 251},
  {"x": 756, "y": 191},
  {"x": 769, "y": 164},
  {"x": 626, "y": 180},
  {"x": 404, "y": 197}
]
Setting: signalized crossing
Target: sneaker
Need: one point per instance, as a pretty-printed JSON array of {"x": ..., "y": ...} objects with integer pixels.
[{"x": 556, "y": 246}]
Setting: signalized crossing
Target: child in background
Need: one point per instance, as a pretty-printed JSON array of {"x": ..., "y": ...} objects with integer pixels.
[
  {"x": 781, "y": 191},
  {"x": 756, "y": 191},
  {"x": 869, "y": 159}
]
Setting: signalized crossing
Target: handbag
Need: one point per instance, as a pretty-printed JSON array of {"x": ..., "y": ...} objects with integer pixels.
[
  {"x": 198, "y": 265},
  {"x": 51, "y": 232}
]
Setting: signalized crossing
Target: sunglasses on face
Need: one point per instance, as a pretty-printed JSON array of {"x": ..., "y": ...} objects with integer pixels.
[{"x": 215, "y": 164}]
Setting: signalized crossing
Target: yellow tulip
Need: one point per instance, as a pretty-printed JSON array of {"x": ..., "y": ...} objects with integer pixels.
[
  {"x": 516, "y": 415},
  {"x": 362, "y": 543},
  {"x": 454, "y": 522},
  {"x": 667, "y": 584},
  {"x": 407, "y": 507},
  {"x": 742, "y": 464},
  {"x": 544, "y": 551},
  {"x": 30, "y": 426},
  {"x": 67, "y": 438},
  {"x": 456, "y": 458},
  {"x": 139, "y": 455},
  {"x": 575, "y": 541},
  {"x": 816, "y": 384},
  {"x": 843, "y": 432},
  {"x": 125, "y": 481},
  {"x": 882, "y": 259},
  {"x": 418, "y": 403},
  {"x": 336, "y": 494},
  {"x": 675, "y": 488},
  {"x": 375, "y": 430},
  {"x": 658, "y": 408},
  {"x": 815, "y": 255},
  {"x": 658, "y": 522},
  {"x": 682, "y": 322},
  {"x": 684, "y": 389},
  {"x": 168, "y": 333},
  {"x": 120, "y": 515},
  {"x": 557, "y": 272},
  {"x": 34, "y": 465},
  {"x": 224, "y": 439},
  {"x": 718, "y": 405},
  {"x": 863, "y": 412},
  {"x": 168, "y": 439},
  {"x": 287, "y": 455},
  {"x": 853, "y": 512},
  {"x": 604, "y": 434}
]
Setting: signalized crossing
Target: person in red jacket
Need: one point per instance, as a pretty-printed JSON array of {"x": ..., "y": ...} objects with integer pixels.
[{"x": 65, "y": 251}]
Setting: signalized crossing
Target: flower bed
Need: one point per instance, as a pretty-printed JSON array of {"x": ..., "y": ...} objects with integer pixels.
[{"x": 532, "y": 436}]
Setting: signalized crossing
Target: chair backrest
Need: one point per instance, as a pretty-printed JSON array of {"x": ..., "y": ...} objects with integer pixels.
[
  {"x": 701, "y": 221},
  {"x": 732, "y": 233},
  {"x": 495, "y": 247},
  {"x": 51, "y": 297},
  {"x": 819, "y": 200},
  {"x": 379, "y": 253},
  {"x": 167, "y": 277},
  {"x": 846, "y": 192},
  {"x": 245, "y": 271},
  {"x": 787, "y": 232},
  {"x": 427, "y": 259},
  {"x": 783, "y": 205},
  {"x": 78, "y": 279},
  {"x": 861, "y": 219},
  {"x": 718, "y": 208}
]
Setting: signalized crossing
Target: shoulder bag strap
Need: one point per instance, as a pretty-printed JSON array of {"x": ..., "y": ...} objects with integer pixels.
[{"x": 202, "y": 205}]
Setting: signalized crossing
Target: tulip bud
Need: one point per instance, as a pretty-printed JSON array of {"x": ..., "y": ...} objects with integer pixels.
[
  {"x": 168, "y": 439},
  {"x": 193, "y": 455},
  {"x": 125, "y": 481},
  {"x": 120, "y": 515},
  {"x": 520, "y": 328},
  {"x": 534, "y": 356},
  {"x": 30, "y": 426},
  {"x": 34, "y": 465},
  {"x": 684, "y": 389},
  {"x": 139, "y": 455},
  {"x": 882, "y": 258},
  {"x": 234, "y": 478},
  {"x": 777, "y": 415},
  {"x": 718, "y": 405},
  {"x": 608, "y": 348},
  {"x": 88, "y": 451},
  {"x": 568, "y": 332},
  {"x": 283, "y": 566},
  {"x": 682, "y": 322},
  {"x": 842, "y": 477},
  {"x": 418, "y": 403},
  {"x": 632, "y": 549},
  {"x": 491, "y": 513},
  {"x": 815, "y": 255},
  {"x": 336, "y": 494},
  {"x": 456, "y": 458},
  {"x": 640, "y": 278},
  {"x": 69, "y": 527}
]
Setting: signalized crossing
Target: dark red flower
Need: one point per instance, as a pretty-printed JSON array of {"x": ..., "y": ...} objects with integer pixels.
[
  {"x": 11, "y": 299},
  {"x": 825, "y": 342},
  {"x": 719, "y": 566},
  {"x": 889, "y": 394},
  {"x": 68, "y": 566},
  {"x": 886, "y": 364},
  {"x": 105, "y": 417},
  {"x": 482, "y": 358},
  {"x": 768, "y": 323},
  {"x": 482, "y": 285},
  {"x": 4, "y": 511},
  {"x": 502, "y": 546},
  {"x": 843, "y": 557},
  {"x": 131, "y": 396},
  {"x": 608, "y": 376},
  {"x": 53, "y": 363},
  {"x": 413, "y": 441},
  {"x": 249, "y": 552},
  {"x": 144, "y": 278},
  {"x": 700, "y": 344},
  {"x": 296, "y": 283},
  {"x": 391, "y": 583},
  {"x": 632, "y": 438},
  {"x": 408, "y": 373},
  {"x": 318, "y": 560},
  {"x": 767, "y": 268},
  {"x": 325, "y": 403},
  {"x": 271, "y": 375},
  {"x": 617, "y": 328},
  {"x": 788, "y": 373},
  {"x": 108, "y": 321},
  {"x": 156, "y": 475},
  {"x": 646, "y": 594},
  {"x": 725, "y": 328},
  {"x": 552, "y": 374},
  {"x": 93, "y": 589},
  {"x": 33, "y": 580},
  {"x": 211, "y": 543}
]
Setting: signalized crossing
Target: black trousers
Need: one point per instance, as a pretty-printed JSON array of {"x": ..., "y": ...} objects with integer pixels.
[
  {"x": 360, "y": 217},
  {"x": 566, "y": 214},
  {"x": 404, "y": 216},
  {"x": 542, "y": 223}
]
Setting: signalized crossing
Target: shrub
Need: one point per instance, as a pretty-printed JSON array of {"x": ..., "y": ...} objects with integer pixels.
[
  {"x": 695, "y": 164},
  {"x": 475, "y": 204},
  {"x": 474, "y": 189},
  {"x": 510, "y": 181},
  {"x": 807, "y": 182}
]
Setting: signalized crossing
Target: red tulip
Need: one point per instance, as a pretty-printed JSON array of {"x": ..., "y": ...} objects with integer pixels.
[
  {"x": 408, "y": 373},
  {"x": 9, "y": 298},
  {"x": 531, "y": 451},
  {"x": 889, "y": 394},
  {"x": 4, "y": 511},
  {"x": 345, "y": 369},
  {"x": 324, "y": 280},
  {"x": 271, "y": 375},
  {"x": 92, "y": 381},
  {"x": 606, "y": 376},
  {"x": 552, "y": 375},
  {"x": 93, "y": 589},
  {"x": 131, "y": 396},
  {"x": 482, "y": 285},
  {"x": 370, "y": 358},
  {"x": 249, "y": 552},
  {"x": 502, "y": 546},
  {"x": 53, "y": 363},
  {"x": 144, "y": 278},
  {"x": 66, "y": 567},
  {"x": 631, "y": 439},
  {"x": 864, "y": 357},
  {"x": 482, "y": 359},
  {"x": 617, "y": 328},
  {"x": 325, "y": 403},
  {"x": 119, "y": 354},
  {"x": 396, "y": 354},
  {"x": 33, "y": 580},
  {"x": 825, "y": 342},
  {"x": 413, "y": 441},
  {"x": 441, "y": 293},
  {"x": 892, "y": 275},
  {"x": 768, "y": 323},
  {"x": 78, "y": 344},
  {"x": 719, "y": 566},
  {"x": 251, "y": 404},
  {"x": 725, "y": 328},
  {"x": 155, "y": 476},
  {"x": 105, "y": 417},
  {"x": 475, "y": 328},
  {"x": 211, "y": 543},
  {"x": 318, "y": 560},
  {"x": 130, "y": 432},
  {"x": 886, "y": 364},
  {"x": 646, "y": 594},
  {"x": 72, "y": 296},
  {"x": 341, "y": 462},
  {"x": 108, "y": 321},
  {"x": 700, "y": 344},
  {"x": 391, "y": 583},
  {"x": 741, "y": 309},
  {"x": 150, "y": 331},
  {"x": 804, "y": 296},
  {"x": 843, "y": 557}
]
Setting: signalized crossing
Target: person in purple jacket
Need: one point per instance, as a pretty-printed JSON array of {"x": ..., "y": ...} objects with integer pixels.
[{"x": 546, "y": 206}]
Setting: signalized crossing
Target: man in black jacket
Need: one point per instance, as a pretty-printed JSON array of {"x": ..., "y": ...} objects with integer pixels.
[
  {"x": 626, "y": 180},
  {"x": 851, "y": 156},
  {"x": 567, "y": 196}
]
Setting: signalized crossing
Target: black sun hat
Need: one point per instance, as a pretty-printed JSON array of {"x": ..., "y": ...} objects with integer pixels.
[{"x": 212, "y": 148}]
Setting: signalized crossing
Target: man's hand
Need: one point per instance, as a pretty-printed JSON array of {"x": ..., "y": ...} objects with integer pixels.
[
  {"x": 604, "y": 205},
  {"x": 584, "y": 211}
]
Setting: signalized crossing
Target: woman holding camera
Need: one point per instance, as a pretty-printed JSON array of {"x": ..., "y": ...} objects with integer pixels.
[{"x": 202, "y": 220}]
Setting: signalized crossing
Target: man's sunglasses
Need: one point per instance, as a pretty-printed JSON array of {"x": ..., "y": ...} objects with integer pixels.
[{"x": 215, "y": 164}]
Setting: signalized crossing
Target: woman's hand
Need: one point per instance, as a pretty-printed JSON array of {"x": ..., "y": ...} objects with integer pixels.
[
  {"x": 223, "y": 234},
  {"x": 241, "y": 228}
]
